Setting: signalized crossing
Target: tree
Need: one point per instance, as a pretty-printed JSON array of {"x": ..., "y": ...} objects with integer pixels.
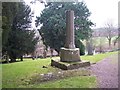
[
  {"x": 21, "y": 40},
  {"x": 8, "y": 10},
  {"x": 118, "y": 37},
  {"x": 109, "y": 32},
  {"x": 0, "y": 41},
  {"x": 53, "y": 20}
]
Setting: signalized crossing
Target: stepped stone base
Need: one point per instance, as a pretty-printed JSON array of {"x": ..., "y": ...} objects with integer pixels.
[{"x": 67, "y": 65}]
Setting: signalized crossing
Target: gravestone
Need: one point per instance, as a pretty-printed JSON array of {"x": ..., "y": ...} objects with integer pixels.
[
  {"x": 69, "y": 54},
  {"x": 89, "y": 46}
]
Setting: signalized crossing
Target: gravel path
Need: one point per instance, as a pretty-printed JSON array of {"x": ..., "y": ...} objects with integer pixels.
[{"x": 106, "y": 72}]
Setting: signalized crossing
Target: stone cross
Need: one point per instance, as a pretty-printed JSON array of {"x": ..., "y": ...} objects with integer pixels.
[
  {"x": 70, "y": 43},
  {"x": 69, "y": 53}
]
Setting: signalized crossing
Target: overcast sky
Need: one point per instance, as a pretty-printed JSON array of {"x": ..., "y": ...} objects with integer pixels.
[{"x": 103, "y": 11}]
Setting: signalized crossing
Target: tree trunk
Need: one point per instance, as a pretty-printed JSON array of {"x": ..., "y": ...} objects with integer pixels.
[
  {"x": 109, "y": 42},
  {"x": 116, "y": 41},
  {"x": 44, "y": 54},
  {"x": 7, "y": 58},
  {"x": 100, "y": 49},
  {"x": 13, "y": 60},
  {"x": 51, "y": 50},
  {"x": 58, "y": 51},
  {"x": 21, "y": 58}
]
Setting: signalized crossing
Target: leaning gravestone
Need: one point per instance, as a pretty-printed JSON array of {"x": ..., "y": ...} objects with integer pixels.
[{"x": 69, "y": 54}]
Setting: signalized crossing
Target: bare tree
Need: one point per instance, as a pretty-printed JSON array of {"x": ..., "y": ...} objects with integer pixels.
[
  {"x": 109, "y": 28},
  {"x": 118, "y": 37}
]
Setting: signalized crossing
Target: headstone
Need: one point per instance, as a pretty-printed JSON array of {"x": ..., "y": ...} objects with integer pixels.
[
  {"x": 69, "y": 53},
  {"x": 89, "y": 46}
]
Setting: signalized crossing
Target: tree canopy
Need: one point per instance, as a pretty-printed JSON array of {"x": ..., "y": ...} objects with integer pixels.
[{"x": 53, "y": 20}]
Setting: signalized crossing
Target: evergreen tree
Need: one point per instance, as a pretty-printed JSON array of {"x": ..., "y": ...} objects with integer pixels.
[
  {"x": 21, "y": 40},
  {"x": 53, "y": 20}
]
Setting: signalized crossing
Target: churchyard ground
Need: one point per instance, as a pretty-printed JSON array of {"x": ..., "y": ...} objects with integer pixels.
[{"x": 20, "y": 74}]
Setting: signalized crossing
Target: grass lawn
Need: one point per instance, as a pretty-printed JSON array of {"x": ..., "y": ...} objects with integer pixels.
[
  {"x": 18, "y": 74},
  {"x": 97, "y": 57}
]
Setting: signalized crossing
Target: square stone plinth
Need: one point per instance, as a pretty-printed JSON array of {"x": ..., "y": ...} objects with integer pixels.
[
  {"x": 69, "y": 66},
  {"x": 69, "y": 55}
]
